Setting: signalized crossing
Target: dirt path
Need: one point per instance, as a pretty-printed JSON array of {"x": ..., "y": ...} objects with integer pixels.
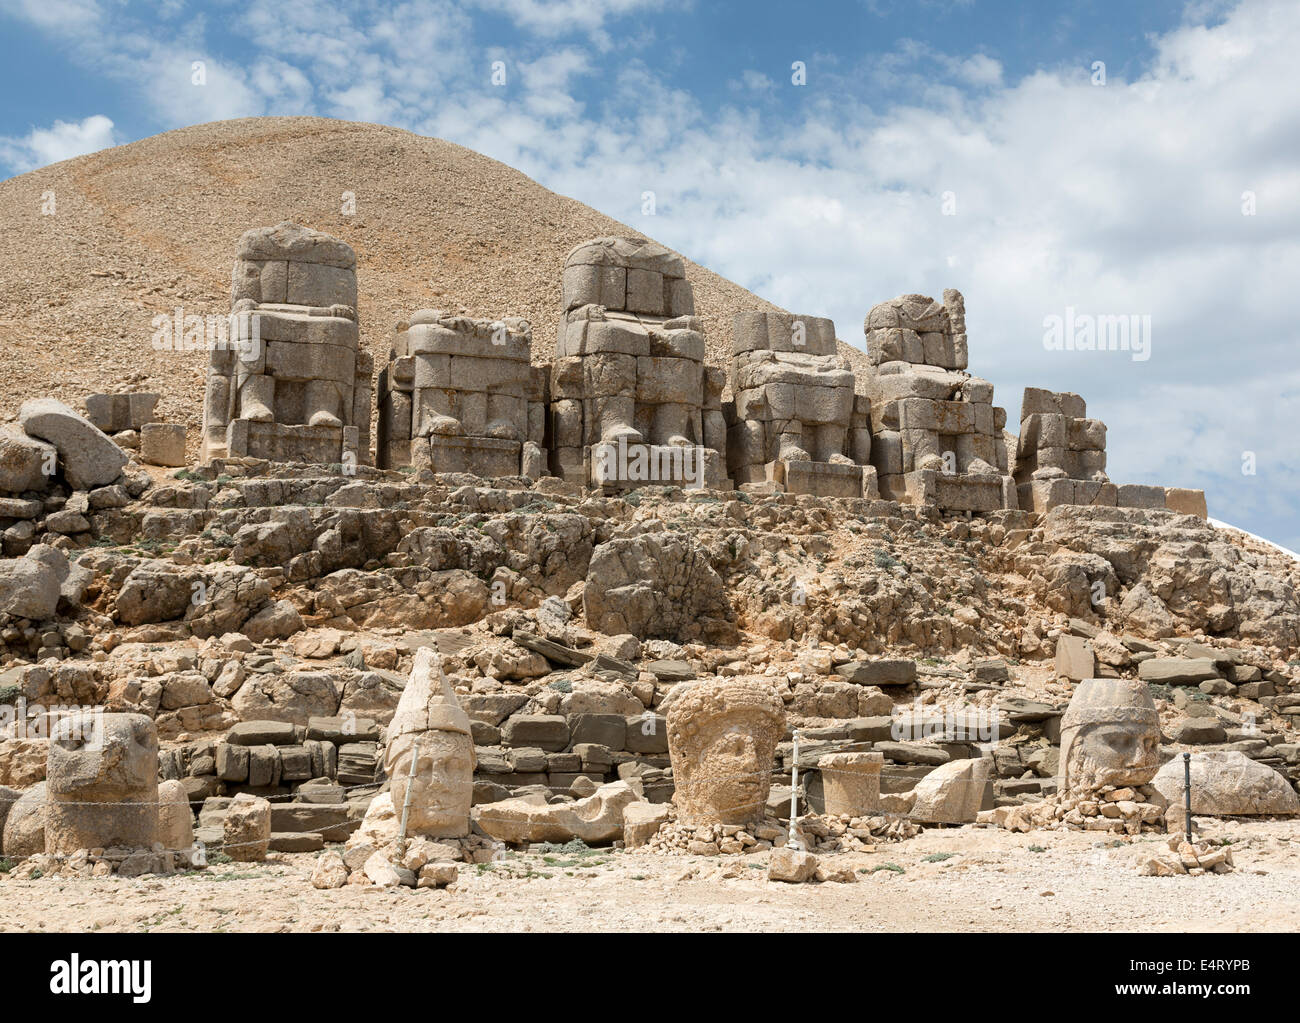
[{"x": 993, "y": 881}]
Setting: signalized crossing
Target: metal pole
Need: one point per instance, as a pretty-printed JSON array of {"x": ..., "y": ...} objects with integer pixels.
[
  {"x": 1187, "y": 793},
  {"x": 406, "y": 803},
  {"x": 794, "y": 793}
]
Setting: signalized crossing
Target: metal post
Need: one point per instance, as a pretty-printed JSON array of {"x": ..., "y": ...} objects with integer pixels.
[
  {"x": 1187, "y": 793},
  {"x": 794, "y": 793},
  {"x": 406, "y": 803}
]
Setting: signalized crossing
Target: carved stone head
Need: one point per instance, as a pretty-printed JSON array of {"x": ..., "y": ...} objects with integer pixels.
[
  {"x": 1110, "y": 735},
  {"x": 722, "y": 737},
  {"x": 430, "y": 725}
]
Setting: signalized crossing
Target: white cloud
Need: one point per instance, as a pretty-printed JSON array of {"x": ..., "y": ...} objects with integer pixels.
[
  {"x": 61, "y": 141},
  {"x": 553, "y": 18}
]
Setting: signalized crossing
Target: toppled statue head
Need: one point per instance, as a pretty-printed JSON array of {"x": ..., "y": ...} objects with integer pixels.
[
  {"x": 1110, "y": 735},
  {"x": 430, "y": 725},
  {"x": 722, "y": 737}
]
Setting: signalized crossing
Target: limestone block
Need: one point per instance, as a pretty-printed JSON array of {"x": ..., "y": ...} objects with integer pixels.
[
  {"x": 851, "y": 783},
  {"x": 1086, "y": 435},
  {"x": 887, "y": 452},
  {"x": 596, "y": 818},
  {"x": 679, "y": 296},
  {"x": 163, "y": 444},
  {"x": 645, "y": 292},
  {"x": 952, "y": 793},
  {"x": 1039, "y": 401},
  {"x": 175, "y": 820},
  {"x": 289, "y": 241},
  {"x": 1136, "y": 495},
  {"x": 319, "y": 285},
  {"x": 1186, "y": 502},
  {"x": 1075, "y": 659},
  {"x": 247, "y": 828},
  {"x": 680, "y": 381},
  {"x": 24, "y": 827}
]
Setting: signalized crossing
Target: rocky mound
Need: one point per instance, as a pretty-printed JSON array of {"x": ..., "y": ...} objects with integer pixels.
[{"x": 141, "y": 229}]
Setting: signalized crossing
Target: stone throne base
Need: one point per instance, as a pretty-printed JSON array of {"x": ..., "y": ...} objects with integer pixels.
[
  {"x": 277, "y": 442},
  {"x": 823, "y": 479},
  {"x": 488, "y": 457},
  {"x": 956, "y": 493},
  {"x": 622, "y": 466}
]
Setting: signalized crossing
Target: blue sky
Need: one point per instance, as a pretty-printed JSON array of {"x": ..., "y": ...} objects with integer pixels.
[{"x": 935, "y": 143}]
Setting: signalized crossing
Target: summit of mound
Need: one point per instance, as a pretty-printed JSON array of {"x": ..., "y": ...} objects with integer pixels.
[{"x": 145, "y": 228}]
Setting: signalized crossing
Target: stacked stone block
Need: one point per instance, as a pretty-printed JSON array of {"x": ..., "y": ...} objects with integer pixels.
[
  {"x": 462, "y": 395},
  {"x": 292, "y": 384},
  {"x": 937, "y": 437},
  {"x": 120, "y": 413},
  {"x": 1060, "y": 453},
  {"x": 632, "y": 402},
  {"x": 795, "y": 420}
]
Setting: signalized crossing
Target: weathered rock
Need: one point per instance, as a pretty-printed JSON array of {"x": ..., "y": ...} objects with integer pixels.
[
  {"x": 24, "y": 828},
  {"x": 279, "y": 620},
  {"x": 793, "y": 866},
  {"x": 656, "y": 585},
  {"x": 951, "y": 793},
  {"x": 641, "y": 821},
  {"x": 1178, "y": 671},
  {"x": 89, "y": 457},
  {"x": 29, "y": 588},
  {"x": 103, "y": 783},
  {"x": 26, "y": 464},
  {"x": 880, "y": 672},
  {"x": 1228, "y": 783},
  {"x": 1074, "y": 658},
  {"x": 851, "y": 783},
  {"x": 175, "y": 821},
  {"x": 330, "y": 871},
  {"x": 163, "y": 444},
  {"x": 597, "y": 818},
  {"x": 294, "y": 697},
  {"x": 247, "y": 828}
]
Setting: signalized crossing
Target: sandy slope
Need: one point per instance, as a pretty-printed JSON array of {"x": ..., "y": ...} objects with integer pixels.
[{"x": 146, "y": 227}]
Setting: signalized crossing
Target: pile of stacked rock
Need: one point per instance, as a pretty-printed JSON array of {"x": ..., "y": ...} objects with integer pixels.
[
  {"x": 462, "y": 395},
  {"x": 794, "y": 420},
  {"x": 938, "y": 439},
  {"x": 632, "y": 402},
  {"x": 291, "y": 383}
]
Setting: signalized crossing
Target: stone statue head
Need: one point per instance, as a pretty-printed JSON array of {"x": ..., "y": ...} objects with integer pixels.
[
  {"x": 430, "y": 726},
  {"x": 722, "y": 737},
  {"x": 1110, "y": 735}
]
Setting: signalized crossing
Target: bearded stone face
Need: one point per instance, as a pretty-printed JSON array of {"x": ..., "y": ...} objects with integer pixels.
[
  {"x": 1113, "y": 754},
  {"x": 443, "y": 785},
  {"x": 1110, "y": 735},
  {"x": 727, "y": 774}
]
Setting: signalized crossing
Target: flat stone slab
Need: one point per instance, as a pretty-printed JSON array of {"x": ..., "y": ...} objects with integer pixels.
[
  {"x": 671, "y": 671},
  {"x": 554, "y": 652},
  {"x": 263, "y": 733},
  {"x": 1178, "y": 671},
  {"x": 894, "y": 672}
]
